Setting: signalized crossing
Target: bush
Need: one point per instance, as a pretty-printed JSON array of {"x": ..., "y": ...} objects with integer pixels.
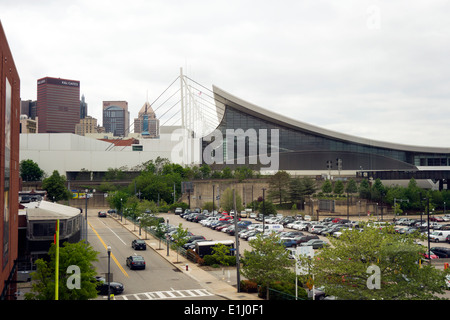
[{"x": 249, "y": 286}]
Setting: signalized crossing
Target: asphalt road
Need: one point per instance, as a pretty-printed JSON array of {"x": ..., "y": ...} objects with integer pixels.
[{"x": 159, "y": 280}]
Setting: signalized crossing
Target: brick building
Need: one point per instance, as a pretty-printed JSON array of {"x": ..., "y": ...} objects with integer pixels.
[{"x": 9, "y": 168}]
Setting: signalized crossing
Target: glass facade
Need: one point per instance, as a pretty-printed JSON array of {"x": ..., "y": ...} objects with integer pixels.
[{"x": 300, "y": 149}]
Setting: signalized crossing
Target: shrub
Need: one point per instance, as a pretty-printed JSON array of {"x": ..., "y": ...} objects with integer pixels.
[{"x": 249, "y": 286}]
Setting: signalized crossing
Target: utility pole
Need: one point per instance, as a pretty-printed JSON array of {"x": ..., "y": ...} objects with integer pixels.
[{"x": 236, "y": 235}]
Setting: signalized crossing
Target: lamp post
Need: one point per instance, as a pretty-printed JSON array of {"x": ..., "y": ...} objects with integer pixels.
[
  {"x": 108, "y": 249},
  {"x": 264, "y": 208},
  {"x": 85, "y": 213}
]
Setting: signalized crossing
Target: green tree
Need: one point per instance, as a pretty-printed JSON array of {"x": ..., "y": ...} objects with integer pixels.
[
  {"x": 364, "y": 189},
  {"x": 327, "y": 187},
  {"x": 279, "y": 186},
  {"x": 267, "y": 208},
  {"x": 345, "y": 267},
  {"x": 180, "y": 237},
  {"x": 268, "y": 262},
  {"x": 378, "y": 191},
  {"x": 351, "y": 187},
  {"x": 205, "y": 171},
  {"x": 30, "y": 171},
  {"x": 117, "y": 200},
  {"x": 338, "y": 187},
  {"x": 227, "y": 203},
  {"x": 81, "y": 255},
  {"x": 55, "y": 185},
  {"x": 299, "y": 188}
]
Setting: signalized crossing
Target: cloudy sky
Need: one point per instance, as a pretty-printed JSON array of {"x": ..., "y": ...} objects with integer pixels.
[{"x": 375, "y": 69}]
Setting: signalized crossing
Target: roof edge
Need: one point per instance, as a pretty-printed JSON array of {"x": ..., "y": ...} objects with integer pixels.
[{"x": 255, "y": 110}]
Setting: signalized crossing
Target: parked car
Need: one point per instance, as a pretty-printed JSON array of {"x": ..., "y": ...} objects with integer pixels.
[
  {"x": 432, "y": 255},
  {"x": 315, "y": 243},
  {"x": 135, "y": 262},
  {"x": 441, "y": 252},
  {"x": 102, "y": 286},
  {"x": 138, "y": 244},
  {"x": 303, "y": 239},
  {"x": 102, "y": 214},
  {"x": 178, "y": 211}
]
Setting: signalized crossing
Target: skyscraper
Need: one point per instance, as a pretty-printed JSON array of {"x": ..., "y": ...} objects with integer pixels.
[
  {"x": 146, "y": 123},
  {"x": 58, "y": 105},
  {"x": 83, "y": 108},
  {"x": 116, "y": 117}
]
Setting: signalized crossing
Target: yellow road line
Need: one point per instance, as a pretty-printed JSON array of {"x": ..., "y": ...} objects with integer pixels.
[{"x": 112, "y": 255}]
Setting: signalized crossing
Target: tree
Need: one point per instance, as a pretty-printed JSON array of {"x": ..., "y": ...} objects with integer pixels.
[
  {"x": 299, "y": 188},
  {"x": 227, "y": 203},
  {"x": 279, "y": 186},
  {"x": 55, "y": 185},
  {"x": 351, "y": 187},
  {"x": 267, "y": 208},
  {"x": 180, "y": 237},
  {"x": 118, "y": 200},
  {"x": 338, "y": 187},
  {"x": 268, "y": 262},
  {"x": 327, "y": 187},
  {"x": 30, "y": 171},
  {"x": 79, "y": 255},
  {"x": 364, "y": 189},
  {"x": 375, "y": 264},
  {"x": 378, "y": 190}
]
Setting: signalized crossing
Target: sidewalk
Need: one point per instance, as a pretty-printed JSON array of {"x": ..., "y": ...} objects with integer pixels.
[{"x": 221, "y": 282}]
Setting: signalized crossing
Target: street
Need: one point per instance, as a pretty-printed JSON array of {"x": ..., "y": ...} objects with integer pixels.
[{"x": 159, "y": 280}]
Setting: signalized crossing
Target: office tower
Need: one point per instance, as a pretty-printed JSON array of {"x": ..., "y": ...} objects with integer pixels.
[
  {"x": 83, "y": 108},
  {"x": 28, "y": 107},
  {"x": 116, "y": 117},
  {"x": 58, "y": 105},
  {"x": 146, "y": 123}
]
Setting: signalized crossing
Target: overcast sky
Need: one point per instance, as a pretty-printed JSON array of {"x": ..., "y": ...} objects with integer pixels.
[{"x": 375, "y": 69}]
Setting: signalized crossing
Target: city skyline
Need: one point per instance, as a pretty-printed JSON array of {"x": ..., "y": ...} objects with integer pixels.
[{"x": 369, "y": 69}]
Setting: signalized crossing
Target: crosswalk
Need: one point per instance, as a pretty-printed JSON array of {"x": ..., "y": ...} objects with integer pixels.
[{"x": 160, "y": 295}]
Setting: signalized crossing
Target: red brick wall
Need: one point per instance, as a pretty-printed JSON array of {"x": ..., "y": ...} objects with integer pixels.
[{"x": 8, "y": 217}]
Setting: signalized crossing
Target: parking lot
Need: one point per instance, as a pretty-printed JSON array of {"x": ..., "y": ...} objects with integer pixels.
[{"x": 322, "y": 230}]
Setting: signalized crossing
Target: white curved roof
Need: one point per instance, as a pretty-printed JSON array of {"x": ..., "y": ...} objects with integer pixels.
[
  {"x": 224, "y": 97},
  {"x": 45, "y": 210}
]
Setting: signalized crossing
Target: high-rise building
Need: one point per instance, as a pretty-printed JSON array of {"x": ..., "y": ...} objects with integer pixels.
[
  {"x": 86, "y": 125},
  {"x": 58, "y": 105},
  {"x": 146, "y": 123},
  {"x": 9, "y": 170},
  {"x": 116, "y": 118},
  {"x": 83, "y": 108}
]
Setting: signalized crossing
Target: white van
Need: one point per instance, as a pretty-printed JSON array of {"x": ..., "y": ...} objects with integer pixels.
[
  {"x": 437, "y": 236},
  {"x": 273, "y": 228}
]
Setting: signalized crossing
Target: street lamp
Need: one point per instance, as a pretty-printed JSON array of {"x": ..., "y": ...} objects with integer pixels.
[
  {"x": 108, "y": 249},
  {"x": 264, "y": 208}
]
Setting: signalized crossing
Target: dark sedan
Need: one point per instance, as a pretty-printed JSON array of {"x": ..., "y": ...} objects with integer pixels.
[
  {"x": 102, "y": 286},
  {"x": 138, "y": 244},
  {"x": 136, "y": 262},
  {"x": 102, "y": 214}
]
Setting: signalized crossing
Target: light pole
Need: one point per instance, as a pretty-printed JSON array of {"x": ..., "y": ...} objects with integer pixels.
[
  {"x": 108, "y": 249},
  {"x": 85, "y": 213},
  {"x": 264, "y": 208}
]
